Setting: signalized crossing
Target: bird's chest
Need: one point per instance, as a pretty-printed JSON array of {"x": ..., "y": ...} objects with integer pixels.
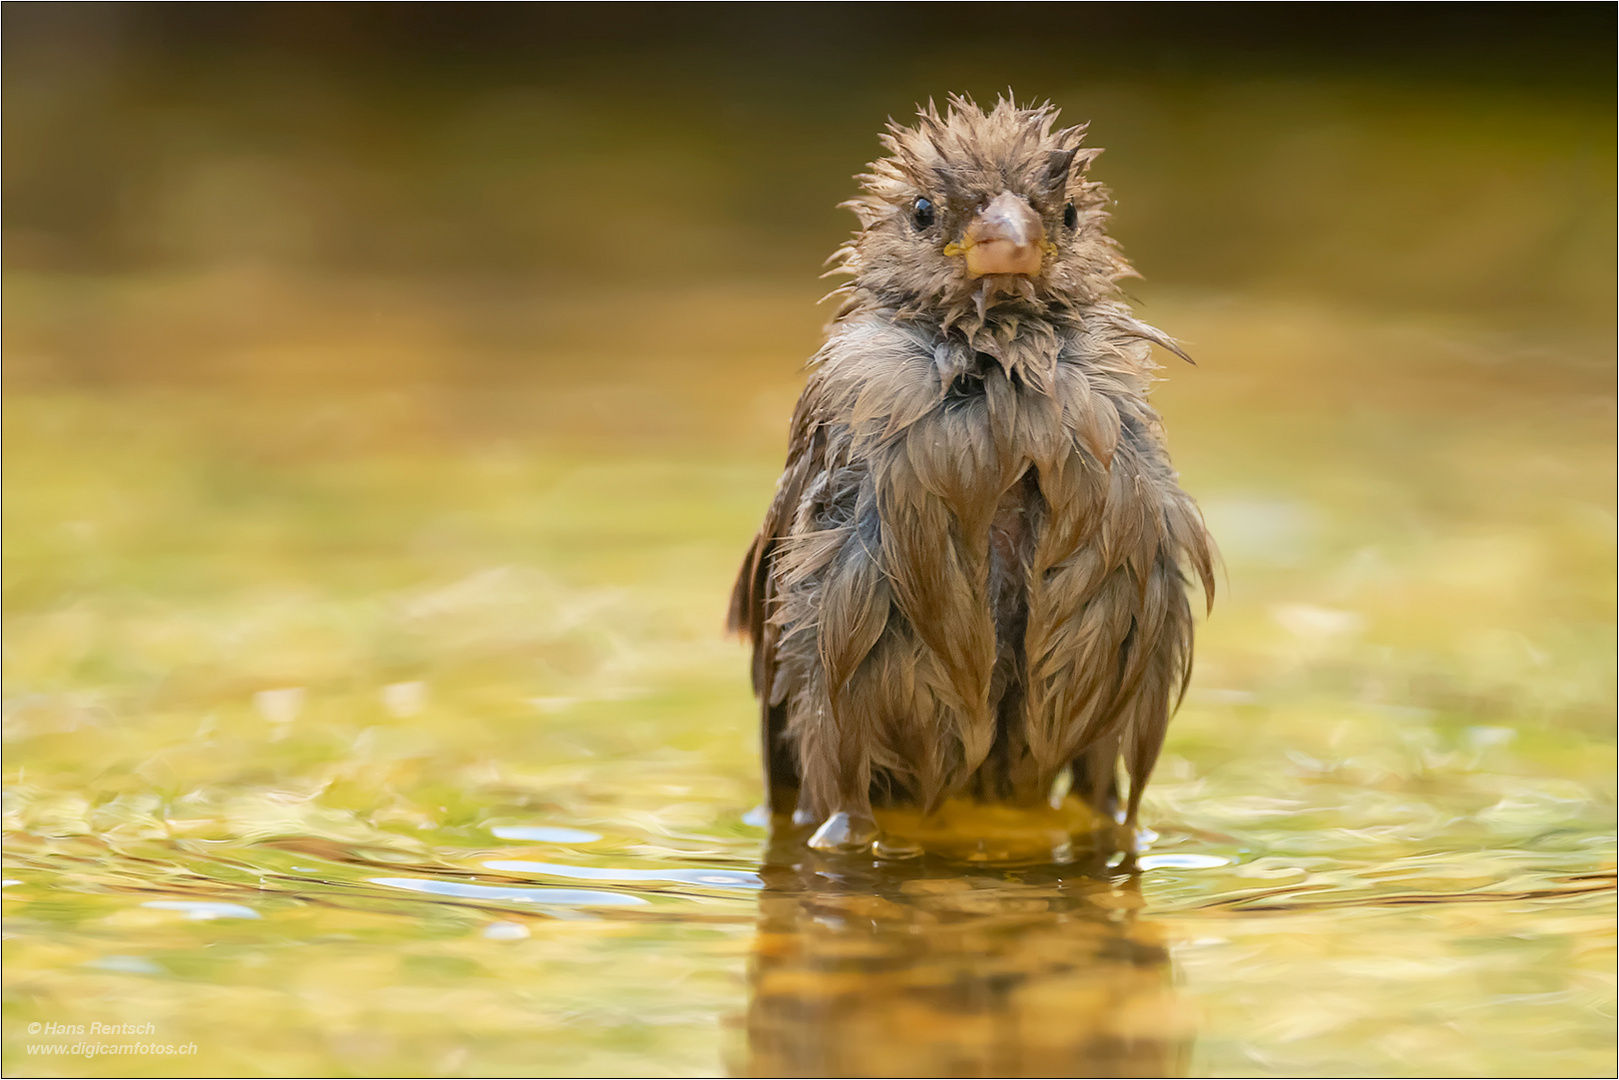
[{"x": 983, "y": 443}]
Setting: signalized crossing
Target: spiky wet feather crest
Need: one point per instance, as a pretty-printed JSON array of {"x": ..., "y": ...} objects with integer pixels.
[{"x": 959, "y": 159}]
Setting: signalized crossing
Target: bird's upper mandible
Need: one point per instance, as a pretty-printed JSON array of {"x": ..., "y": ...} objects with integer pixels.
[{"x": 1006, "y": 237}]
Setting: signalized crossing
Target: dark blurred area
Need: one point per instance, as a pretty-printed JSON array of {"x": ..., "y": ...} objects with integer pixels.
[{"x": 1344, "y": 149}]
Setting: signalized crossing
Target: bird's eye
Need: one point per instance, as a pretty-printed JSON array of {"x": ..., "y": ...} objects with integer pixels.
[
  {"x": 922, "y": 213},
  {"x": 1070, "y": 217}
]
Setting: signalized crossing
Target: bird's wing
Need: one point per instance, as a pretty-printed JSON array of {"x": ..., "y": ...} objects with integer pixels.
[{"x": 753, "y": 596}]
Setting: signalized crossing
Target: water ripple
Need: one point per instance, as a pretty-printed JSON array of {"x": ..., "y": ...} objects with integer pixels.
[
  {"x": 548, "y": 834},
  {"x": 717, "y": 878},
  {"x": 512, "y": 893}
]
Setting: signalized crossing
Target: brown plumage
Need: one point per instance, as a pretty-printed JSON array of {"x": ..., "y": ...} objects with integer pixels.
[{"x": 971, "y": 576}]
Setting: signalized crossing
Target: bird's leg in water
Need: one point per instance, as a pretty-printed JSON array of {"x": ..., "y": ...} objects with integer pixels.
[
  {"x": 1096, "y": 779},
  {"x": 837, "y": 788},
  {"x": 1096, "y": 784}
]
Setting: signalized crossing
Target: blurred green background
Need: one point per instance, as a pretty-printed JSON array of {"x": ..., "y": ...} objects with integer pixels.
[
  {"x": 1410, "y": 160},
  {"x": 391, "y": 390}
]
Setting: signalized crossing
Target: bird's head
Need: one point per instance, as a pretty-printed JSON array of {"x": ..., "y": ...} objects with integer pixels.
[{"x": 973, "y": 210}]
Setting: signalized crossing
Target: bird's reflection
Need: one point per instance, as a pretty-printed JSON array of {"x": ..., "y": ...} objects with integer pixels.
[{"x": 931, "y": 967}]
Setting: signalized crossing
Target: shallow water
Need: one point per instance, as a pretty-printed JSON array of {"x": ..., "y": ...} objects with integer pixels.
[
  {"x": 394, "y": 732},
  {"x": 367, "y": 710}
]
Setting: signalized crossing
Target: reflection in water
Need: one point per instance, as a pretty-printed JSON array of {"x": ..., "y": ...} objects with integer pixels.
[{"x": 862, "y": 968}]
